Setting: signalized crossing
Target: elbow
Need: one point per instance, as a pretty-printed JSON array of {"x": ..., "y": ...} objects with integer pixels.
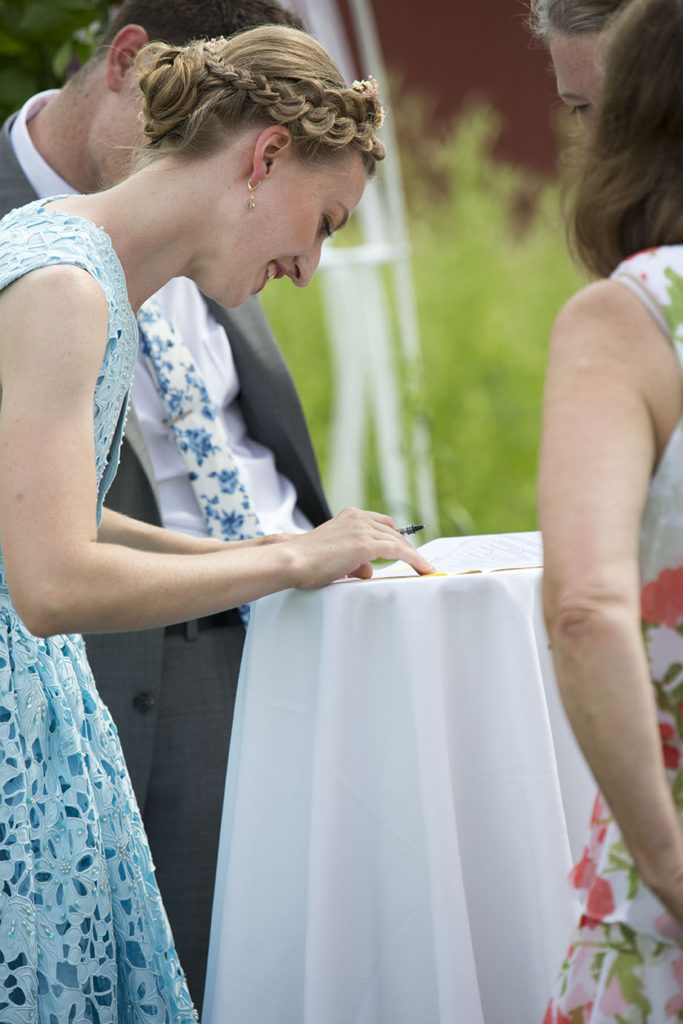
[
  {"x": 44, "y": 609},
  {"x": 42, "y": 620},
  {"x": 586, "y": 603},
  {"x": 579, "y": 618},
  {"x": 49, "y": 587},
  {"x": 574, "y": 620}
]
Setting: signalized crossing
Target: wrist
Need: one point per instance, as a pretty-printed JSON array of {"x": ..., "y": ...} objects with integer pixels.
[
  {"x": 282, "y": 564},
  {"x": 660, "y": 863}
]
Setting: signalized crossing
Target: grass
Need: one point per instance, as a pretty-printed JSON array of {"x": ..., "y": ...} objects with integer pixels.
[{"x": 491, "y": 271}]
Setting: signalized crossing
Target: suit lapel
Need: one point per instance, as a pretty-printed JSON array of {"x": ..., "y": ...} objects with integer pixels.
[
  {"x": 270, "y": 403},
  {"x": 15, "y": 189},
  {"x": 134, "y": 437}
]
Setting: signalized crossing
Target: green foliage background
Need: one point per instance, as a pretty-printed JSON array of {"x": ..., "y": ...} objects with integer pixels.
[
  {"x": 490, "y": 267},
  {"x": 40, "y": 40}
]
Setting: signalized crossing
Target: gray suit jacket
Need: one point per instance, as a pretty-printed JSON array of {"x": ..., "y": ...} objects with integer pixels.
[{"x": 127, "y": 666}]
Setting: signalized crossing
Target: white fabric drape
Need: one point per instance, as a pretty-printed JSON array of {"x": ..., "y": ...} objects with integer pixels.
[{"x": 404, "y": 800}]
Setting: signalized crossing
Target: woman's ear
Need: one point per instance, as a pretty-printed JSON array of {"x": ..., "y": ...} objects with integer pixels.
[{"x": 273, "y": 147}]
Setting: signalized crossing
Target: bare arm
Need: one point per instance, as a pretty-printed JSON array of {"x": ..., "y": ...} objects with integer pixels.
[
  {"x": 612, "y": 399},
  {"x": 116, "y": 528},
  {"x": 61, "y": 578}
]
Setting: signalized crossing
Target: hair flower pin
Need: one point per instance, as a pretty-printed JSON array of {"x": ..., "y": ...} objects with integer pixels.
[
  {"x": 215, "y": 45},
  {"x": 369, "y": 87}
]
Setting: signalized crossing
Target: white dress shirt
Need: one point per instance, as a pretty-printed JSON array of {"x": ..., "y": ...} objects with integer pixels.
[{"x": 273, "y": 495}]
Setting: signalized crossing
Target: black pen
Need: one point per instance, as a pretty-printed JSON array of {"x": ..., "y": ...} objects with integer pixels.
[{"x": 407, "y": 530}]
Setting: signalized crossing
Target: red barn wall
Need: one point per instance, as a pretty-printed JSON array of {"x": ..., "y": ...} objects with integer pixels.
[{"x": 453, "y": 50}]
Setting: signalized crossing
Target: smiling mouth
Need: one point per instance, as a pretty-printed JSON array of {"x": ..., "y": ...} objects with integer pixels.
[{"x": 271, "y": 270}]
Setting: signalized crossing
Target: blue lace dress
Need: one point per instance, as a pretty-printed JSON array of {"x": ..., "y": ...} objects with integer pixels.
[{"x": 83, "y": 932}]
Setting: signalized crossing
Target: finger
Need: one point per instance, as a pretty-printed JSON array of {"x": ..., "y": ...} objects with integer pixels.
[
  {"x": 418, "y": 563},
  {"x": 362, "y": 572},
  {"x": 391, "y": 545},
  {"x": 381, "y": 518}
]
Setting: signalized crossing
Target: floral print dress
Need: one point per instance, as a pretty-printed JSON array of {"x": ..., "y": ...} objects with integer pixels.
[
  {"x": 83, "y": 933},
  {"x": 625, "y": 965}
]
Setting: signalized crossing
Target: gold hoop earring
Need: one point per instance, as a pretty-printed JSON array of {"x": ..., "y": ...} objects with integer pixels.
[{"x": 251, "y": 202}]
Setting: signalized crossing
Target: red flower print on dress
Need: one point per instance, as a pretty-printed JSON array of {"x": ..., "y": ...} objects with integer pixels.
[
  {"x": 612, "y": 1002},
  {"x": 675, "y": 1005},
  {"x": 600, "y": 899},
  {"x": 672, "y": 755},
  {"x": 582, "y": 874},
  {"x": 553, "y": 1016},
  {"x": 677, "y": 971},
  {"x": 666, "y": 731},
  {"x": 601, "y": 812},
  {"x": 642, "y": 252},
  {"x": 661, "y": 602},
  {"x": 670, "y": 929},
  {"x": 670, "y": 752}
]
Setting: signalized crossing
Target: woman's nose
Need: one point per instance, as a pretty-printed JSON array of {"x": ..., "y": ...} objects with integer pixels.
[{"x": 306, "y": 266}]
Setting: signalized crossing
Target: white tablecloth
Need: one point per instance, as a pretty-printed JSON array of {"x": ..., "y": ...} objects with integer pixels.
[{"x": 403, "y": 802}]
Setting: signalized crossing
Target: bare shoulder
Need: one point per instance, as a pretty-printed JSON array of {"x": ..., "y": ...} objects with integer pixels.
[
  {"x": 52, "y": 312},
  {"x": 607, "y": 305},
  {"x": 607, "y": 319},
  {"x": 61, "y": 286},
  {"x": 605, "y": 332}
]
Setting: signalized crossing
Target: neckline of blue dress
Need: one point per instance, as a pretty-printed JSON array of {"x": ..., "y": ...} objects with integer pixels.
[{"x": 112, "y": 256}]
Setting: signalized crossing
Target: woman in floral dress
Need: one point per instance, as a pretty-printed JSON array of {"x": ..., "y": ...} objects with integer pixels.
[{"x": 611, "y": 511}]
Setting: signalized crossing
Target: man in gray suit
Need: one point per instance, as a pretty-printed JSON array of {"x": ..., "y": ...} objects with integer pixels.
[{"x": 171, "y": 692}]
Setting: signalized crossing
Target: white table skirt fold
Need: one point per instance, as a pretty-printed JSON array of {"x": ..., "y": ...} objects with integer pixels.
[{"x": 403, "y": 801}]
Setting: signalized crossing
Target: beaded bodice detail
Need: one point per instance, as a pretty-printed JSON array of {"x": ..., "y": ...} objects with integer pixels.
[{"x": 38, "y": 235}]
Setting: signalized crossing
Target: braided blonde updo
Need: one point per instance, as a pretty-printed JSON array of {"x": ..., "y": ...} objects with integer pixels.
[{"x": 193, "y": 95}]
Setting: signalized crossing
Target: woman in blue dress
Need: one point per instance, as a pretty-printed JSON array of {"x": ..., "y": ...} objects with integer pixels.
[{"x": 83, "y": 933}]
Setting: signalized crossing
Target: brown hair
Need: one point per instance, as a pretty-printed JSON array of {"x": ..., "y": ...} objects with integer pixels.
[
  {"x": 571, "y": 16},
  {"x": 193, "y": 95},
  {"x": 630, "y": 191},
  {"x": 179, "y": 21}
]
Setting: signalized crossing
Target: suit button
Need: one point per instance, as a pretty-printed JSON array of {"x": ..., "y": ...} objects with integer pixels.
[{"x": 143, "y": 702}]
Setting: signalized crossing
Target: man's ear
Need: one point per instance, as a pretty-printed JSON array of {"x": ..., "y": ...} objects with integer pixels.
[
  {"x": 272, "y": 148},
  {"x": 124, "y": 46}
]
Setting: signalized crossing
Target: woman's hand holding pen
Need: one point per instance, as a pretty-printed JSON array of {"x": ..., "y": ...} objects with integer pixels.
[{"x": 347, "y": 544}]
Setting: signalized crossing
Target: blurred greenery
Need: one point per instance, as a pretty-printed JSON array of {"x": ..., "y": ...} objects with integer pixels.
[
  {"x": 40, "y": 41},
  {"x": 491, "y": 271}
]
